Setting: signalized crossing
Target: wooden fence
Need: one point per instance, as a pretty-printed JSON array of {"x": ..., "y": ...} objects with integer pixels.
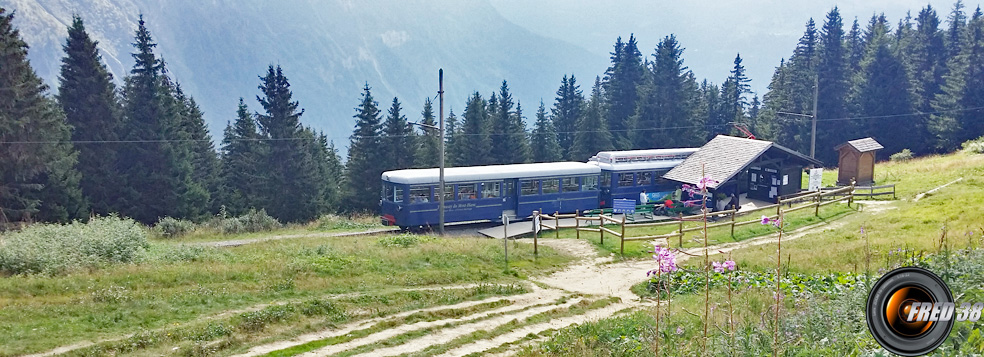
[{"x": 793, "y": 203}]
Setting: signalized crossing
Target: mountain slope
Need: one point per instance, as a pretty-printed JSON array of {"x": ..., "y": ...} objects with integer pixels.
[{"x": 328, "y": 49}]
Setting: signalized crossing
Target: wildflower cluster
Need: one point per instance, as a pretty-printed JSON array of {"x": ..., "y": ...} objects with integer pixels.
[
  {"x": 665, "y": 260},
  {"x": 775, "y": 222},
  {"x": 700, "y": 187},
  {"x": 721, "y": 267}
]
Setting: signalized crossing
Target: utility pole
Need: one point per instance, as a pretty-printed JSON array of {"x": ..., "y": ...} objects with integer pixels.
[
  {"x": 440, "y": 188},
  {"x": 813, "y": 136}
]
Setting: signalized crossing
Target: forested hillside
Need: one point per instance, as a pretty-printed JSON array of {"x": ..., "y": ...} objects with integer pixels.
[{"x": 143, "y": 149}]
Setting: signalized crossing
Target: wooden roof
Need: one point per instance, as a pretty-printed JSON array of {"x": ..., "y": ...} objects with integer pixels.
[
  {"x": 861, "y": 145},
  {"x": 724, "y": 157}
]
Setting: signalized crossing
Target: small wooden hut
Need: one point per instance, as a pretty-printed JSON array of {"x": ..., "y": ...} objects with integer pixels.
[{"x": 856, "y": 160}]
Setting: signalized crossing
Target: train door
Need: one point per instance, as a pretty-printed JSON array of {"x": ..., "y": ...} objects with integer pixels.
[
  {"x": 510, "y": 199},
  {"x": 606, "y": 189}
]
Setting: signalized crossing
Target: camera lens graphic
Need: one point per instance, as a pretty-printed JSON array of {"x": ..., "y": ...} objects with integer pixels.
[{"x": 891, "y": 300}]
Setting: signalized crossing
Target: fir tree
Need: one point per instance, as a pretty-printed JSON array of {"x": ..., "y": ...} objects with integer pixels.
[
  {"x": 293, "y": 188},
  {"x": 855, "y": 48},
  {"x": 955, "y": 32},
  {"x": 884, "y": 91},
  {"x": 665, "y": 112},
  {"x": 242, "y": 181},
  {"x": 397, "y": 141},
  {"x": 334, "y": 176},
  {"x": 88, "y": 97},
  {"x": 544, "y": 144},
  {"x": 566, "y": 112},
  {"x": 508, "y": 132},
  {"x": 453, "y": 142},
  {"x": 475, "y": 145},
  {"x": 833, "y": 78},
  {"x": 428, "y": 148},
  {"x": 362, "y": 172},
  {"x": 182, "y": 127},
  {"x": 620, "y": 89},
  {"x": 592, "y": 130}
]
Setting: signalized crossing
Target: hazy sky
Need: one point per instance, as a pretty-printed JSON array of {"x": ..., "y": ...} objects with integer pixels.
[{"x": 711, "y": 31}]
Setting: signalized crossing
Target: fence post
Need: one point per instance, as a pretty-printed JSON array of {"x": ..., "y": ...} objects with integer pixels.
[
  {"x": 557, "y": 224},
  {"x": 733, "y": 222},
  {"x": 680, "y": 231},
  {"x": 536, "y": 231},
  {"x": 778, "y": 205},
  {"x": 622, "y": 248},
  {"x": 816, "y": 210},
  {"x": 601, "y": 224},
  {"x": 851, "y": 200},
  {"x": 577, "y": 223}
]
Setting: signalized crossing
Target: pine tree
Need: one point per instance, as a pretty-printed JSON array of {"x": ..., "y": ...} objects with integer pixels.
[
  {"x": 592, "y": 130},
  {"x": 191, "y": 196},
  {"x": 88, "y": 97},
  {"x": 855, "y": 48},
  {"x": 476, "y": 144},
  {"x": 734, "y": 99},
  {"x": 665, "y": 112},
  {"x": 973, "y": 95},
  {"x": 545, "y": 146},
  {"x": 566, "y": 112},
  {"x": 833, "y": 78},
  {"x": 334, "y": 177},
  {"x": 620, "y": 89},
  {"x": 453, "y": 142},
  {"x": 955, "y": 32},
  {"x": 428, "y": 149},
  {"x": 710, "y": 110},
  {"x": 883, "y": 91},
  {"x": 397, "y": 140},
  {"x": 242, "y": 181},
  {"x": 156, "y": 164},
  {"x": 508, "y": 132},
  {"x": 957, "y": 116},
  {"x": 293, "y": 187},
  {"x": 362, "y": 172}
]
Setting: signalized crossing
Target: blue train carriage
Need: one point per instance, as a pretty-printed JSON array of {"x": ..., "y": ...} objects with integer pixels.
[
  {"x": 486, "y": 193},
  {"x": 624, "y": 174}
]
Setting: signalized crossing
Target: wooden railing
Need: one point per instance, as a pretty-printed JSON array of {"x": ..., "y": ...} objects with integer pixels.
[{"x": 813, "y": 200}]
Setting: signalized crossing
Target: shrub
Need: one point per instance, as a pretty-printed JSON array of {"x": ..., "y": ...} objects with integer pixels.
[
  {"x": 975, "y": 146},
  {"x": 57, "y": 248},
  {"x": 403, "y": 240},
  {"x": 901, "y": 156},
  {"x": 169, "y": 227},
  {"x": 333, "y": 222},
  {"x": 250, "y": 222}
]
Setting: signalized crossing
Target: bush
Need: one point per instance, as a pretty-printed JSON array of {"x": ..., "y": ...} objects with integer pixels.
[
  {"x": 169, "y": 227},
  {"x": 975, "y": 146},
  {"x": 901, "y": 156},
  {"x": 333, "y": 222},
  {"x": 57, "y": 248},
  {"x": 249, "y": 222}
]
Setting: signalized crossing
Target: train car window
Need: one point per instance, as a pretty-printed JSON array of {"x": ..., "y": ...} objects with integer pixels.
[
  {"x": 530, "y": 187},
  {"x": 625, "y": 180},
  {"x": 606, "y": 179},
  {"x": 388, "y": 192},
  {"x": 644, "y": 178},
  {"x": 551, "y": 186},
  {"x": 420, "y": 194},
  {"x": 449, "y": 192},
  {"x": 510, "y": 188},
  {"x": 490, "y": 189},
  {"x": 398, "y": 196},
  {"x": 467, "y": 191},
  {"x": 570, "y": 184},
  {"x": 589, "y": 183}
]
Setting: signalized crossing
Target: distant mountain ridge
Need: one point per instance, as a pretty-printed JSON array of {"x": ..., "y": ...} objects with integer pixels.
[{"x": 329, "y": 49}]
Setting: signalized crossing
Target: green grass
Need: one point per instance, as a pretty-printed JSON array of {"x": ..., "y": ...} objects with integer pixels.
[{"x": 181, "y": 284}]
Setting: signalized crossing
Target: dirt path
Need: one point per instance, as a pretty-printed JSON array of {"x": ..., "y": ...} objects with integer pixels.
[{"x": 239, "y": 242}]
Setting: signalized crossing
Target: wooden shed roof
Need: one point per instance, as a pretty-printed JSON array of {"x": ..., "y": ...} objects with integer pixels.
[
  {"x": 861, "y": 145},
  {"x": 724, "y": 157}
]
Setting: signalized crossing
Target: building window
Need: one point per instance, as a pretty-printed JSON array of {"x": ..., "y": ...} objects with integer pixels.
[
  {"x": 589, "y": 183},
  {"x": 644, "y": 178},
  {"x": 551, "y": 186},
  {"x": 625, "y": 180},
  {"x": 467, "y": 192},
  {"x": 530, "y": 187},
  {"x": 490, "y": 189},
  {"x": 420, "y": 194},
  {"x": 570, "y": 184}
]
